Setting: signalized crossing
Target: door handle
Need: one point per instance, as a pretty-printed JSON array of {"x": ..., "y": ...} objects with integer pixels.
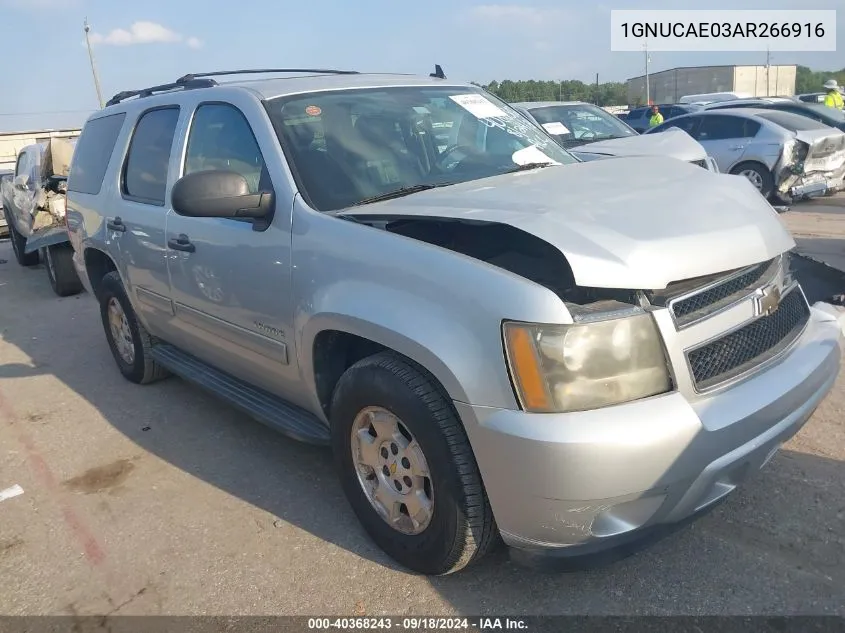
[
  {"x": 181, "y": 243},
  {"x": 116, "y": 225},
  {"x": 738, "y": 147}
]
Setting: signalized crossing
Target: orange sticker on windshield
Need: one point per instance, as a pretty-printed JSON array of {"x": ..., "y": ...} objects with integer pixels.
[{"x": 313, "y": 111}]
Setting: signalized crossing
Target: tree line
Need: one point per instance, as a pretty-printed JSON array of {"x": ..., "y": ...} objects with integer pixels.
[{"x": 615, "y": 93}]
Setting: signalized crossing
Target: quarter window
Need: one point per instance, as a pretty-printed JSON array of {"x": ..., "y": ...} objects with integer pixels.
[
  {"x": 221, "y": 139},
  {"x": 145, "y": 171}
]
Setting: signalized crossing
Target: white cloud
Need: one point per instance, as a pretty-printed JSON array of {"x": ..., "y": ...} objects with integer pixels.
[{"x": 143, "y": 32}]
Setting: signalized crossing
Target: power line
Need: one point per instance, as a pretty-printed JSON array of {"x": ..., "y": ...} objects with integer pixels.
[{"x": 46, "y": 112}]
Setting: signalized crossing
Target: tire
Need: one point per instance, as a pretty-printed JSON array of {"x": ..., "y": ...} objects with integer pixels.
[
  {"x": 759, "y": 176},
  {"x": 140, "y": 368},
  {"x": 460, "y": 529},
  {"x": 19, "y": 244},
  {"x": 58, "y": 260}
]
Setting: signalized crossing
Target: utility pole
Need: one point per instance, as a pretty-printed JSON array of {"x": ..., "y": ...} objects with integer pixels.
[
  {"x": 647, "y": 80},
  {"x": 93, "y": 66},
  {"x": 597, "y": 88},
  {"x": 560, "y": 85},
  {"x": 768, "y": 65}
]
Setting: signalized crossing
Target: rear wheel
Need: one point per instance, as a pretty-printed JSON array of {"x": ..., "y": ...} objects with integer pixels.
[
  {"x": 19, "y": 245},
  {"x": 759, "y": 176},
  {"x": 407, "y": 468},
  {"x": 61, "y": 272}
]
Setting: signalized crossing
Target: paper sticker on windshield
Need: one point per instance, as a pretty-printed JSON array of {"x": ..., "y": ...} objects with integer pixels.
[
  {"x": 313, "y": 111},
  {"x": 531, "y": 154},
  {"x": 555, "y": 128},
  {"x": 478, "y": 106}
]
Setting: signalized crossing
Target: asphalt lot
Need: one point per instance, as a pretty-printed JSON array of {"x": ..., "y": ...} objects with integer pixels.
[{"x": 160, "y": 500}]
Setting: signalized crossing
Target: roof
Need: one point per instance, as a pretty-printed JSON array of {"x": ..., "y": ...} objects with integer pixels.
[
  {"x": 741, "y": 112},
  {"x": 533, "y": 105},
  {"x": 672, "y": 70},
  {"x": 274, "y": 85},
  {"x": 269, "y": 88}
]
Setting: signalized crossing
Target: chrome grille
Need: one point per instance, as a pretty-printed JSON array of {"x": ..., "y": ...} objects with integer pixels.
[
  {"x": 697, "y": 305},
  {"x": 746, "y": 348}
]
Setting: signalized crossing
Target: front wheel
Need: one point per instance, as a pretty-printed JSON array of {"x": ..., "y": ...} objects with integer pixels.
[
  {"x": 130, "y": 343},
  {"x": 759, "y": 176},
  {"x": 407, "y": 468},
  {"x": 19, "y": 245}
]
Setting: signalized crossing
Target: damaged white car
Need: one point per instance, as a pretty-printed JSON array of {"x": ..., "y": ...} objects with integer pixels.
[
  {"x": 590, "y": 133},
  {"x": 783, "y": 154}
]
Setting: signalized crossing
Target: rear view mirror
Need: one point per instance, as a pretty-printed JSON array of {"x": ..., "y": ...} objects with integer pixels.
[{"x": 219, "y": 194}]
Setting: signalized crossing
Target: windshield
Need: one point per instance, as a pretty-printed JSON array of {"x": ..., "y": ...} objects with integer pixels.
[
  {"x": 793, "y": 122},
  {"x": 347, "y": 147},
  {"x": 573, "y": 125}
]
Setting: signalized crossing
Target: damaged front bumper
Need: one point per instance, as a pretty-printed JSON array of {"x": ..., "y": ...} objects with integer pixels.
[{"x": 569, "y": 489}]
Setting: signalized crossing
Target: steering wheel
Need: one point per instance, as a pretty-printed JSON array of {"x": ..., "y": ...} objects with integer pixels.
[
  {"x": 587, "y": 134},
  {"x": 451, "y": 149}
]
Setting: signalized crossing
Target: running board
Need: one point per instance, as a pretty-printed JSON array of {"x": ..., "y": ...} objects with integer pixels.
[{"x": 257, "y": 403}]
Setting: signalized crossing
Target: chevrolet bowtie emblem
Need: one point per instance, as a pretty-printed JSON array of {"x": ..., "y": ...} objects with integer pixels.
[{"x": 769, "y": 300}]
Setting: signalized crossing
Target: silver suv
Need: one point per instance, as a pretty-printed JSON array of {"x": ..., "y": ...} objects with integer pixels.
[{"x": 496, "y": 339}]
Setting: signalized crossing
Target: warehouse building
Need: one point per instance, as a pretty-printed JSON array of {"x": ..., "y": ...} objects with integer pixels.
[
  {"x": 13, "y": 142},
  {"x": 668, "y": 86}
]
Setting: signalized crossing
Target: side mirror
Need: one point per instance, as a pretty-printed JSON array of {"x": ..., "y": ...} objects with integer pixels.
[
  {"x": 219, "y": 194},
  {"x": 20, "y": 182}
]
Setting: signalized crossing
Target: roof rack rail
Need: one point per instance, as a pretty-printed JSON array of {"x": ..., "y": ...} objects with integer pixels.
[
  {"x": 258, "y": 71},
  {"x": 438, "y": 72},
  {"x": 148, "y": 92}
]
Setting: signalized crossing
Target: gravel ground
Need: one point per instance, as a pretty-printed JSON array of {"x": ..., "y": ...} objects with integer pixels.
[{"x": 160, "y": 500}]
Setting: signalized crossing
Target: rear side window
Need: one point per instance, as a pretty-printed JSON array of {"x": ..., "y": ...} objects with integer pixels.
[
  {"x": 720, "y": 127},
  {"x": 145, "y": 170},
  {"x": 93, "y": 152}
]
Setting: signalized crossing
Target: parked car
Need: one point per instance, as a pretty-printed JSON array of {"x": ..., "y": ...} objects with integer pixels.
[
  {"x": 811, "y": 97},
  {"x": 494, "y": 338},
  {"x": 815, "y": 111},
  {"x": 712, "y": 97},
  {"x": 638, "y": 117},
  {"x": 590, "y": 133},
  {"x": 781, "y": 153},
  {"x": 34, "y": 210},
  {"x": 6, "y": 175}
]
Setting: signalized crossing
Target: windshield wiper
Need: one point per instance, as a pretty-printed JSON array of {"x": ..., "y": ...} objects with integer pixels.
[
  {"x": 528, "y": 166},
  {"x": 399, "y": 193}
]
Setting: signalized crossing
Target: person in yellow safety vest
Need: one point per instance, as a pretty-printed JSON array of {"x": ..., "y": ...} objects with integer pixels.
[
  {"x": 656, "y": 118},
  {"x": 833, "y": 99}
]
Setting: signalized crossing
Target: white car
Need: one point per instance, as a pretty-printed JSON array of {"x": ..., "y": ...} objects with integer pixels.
[{"x": 590, "y": 133}]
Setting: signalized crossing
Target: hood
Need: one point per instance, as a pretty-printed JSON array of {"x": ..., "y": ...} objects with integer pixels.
[
  {"x": 627, "y": 223},
  {"x": 673, "y": 142}
]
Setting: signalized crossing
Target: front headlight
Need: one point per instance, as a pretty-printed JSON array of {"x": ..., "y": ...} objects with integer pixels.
[{"x": 560, "y": 368}]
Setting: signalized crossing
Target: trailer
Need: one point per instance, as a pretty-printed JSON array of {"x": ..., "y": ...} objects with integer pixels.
[{"x": 34, "y": 206}]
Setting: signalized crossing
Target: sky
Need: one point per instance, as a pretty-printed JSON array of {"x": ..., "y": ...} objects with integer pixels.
[{"x": 46, "y": 79}]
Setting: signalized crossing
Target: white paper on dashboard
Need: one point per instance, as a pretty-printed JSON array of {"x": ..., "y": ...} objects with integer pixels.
[
  {"x": 478, "y": 106},
  {"x": 531, "y": 155},
  {"x": 556, "y": 128}
]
